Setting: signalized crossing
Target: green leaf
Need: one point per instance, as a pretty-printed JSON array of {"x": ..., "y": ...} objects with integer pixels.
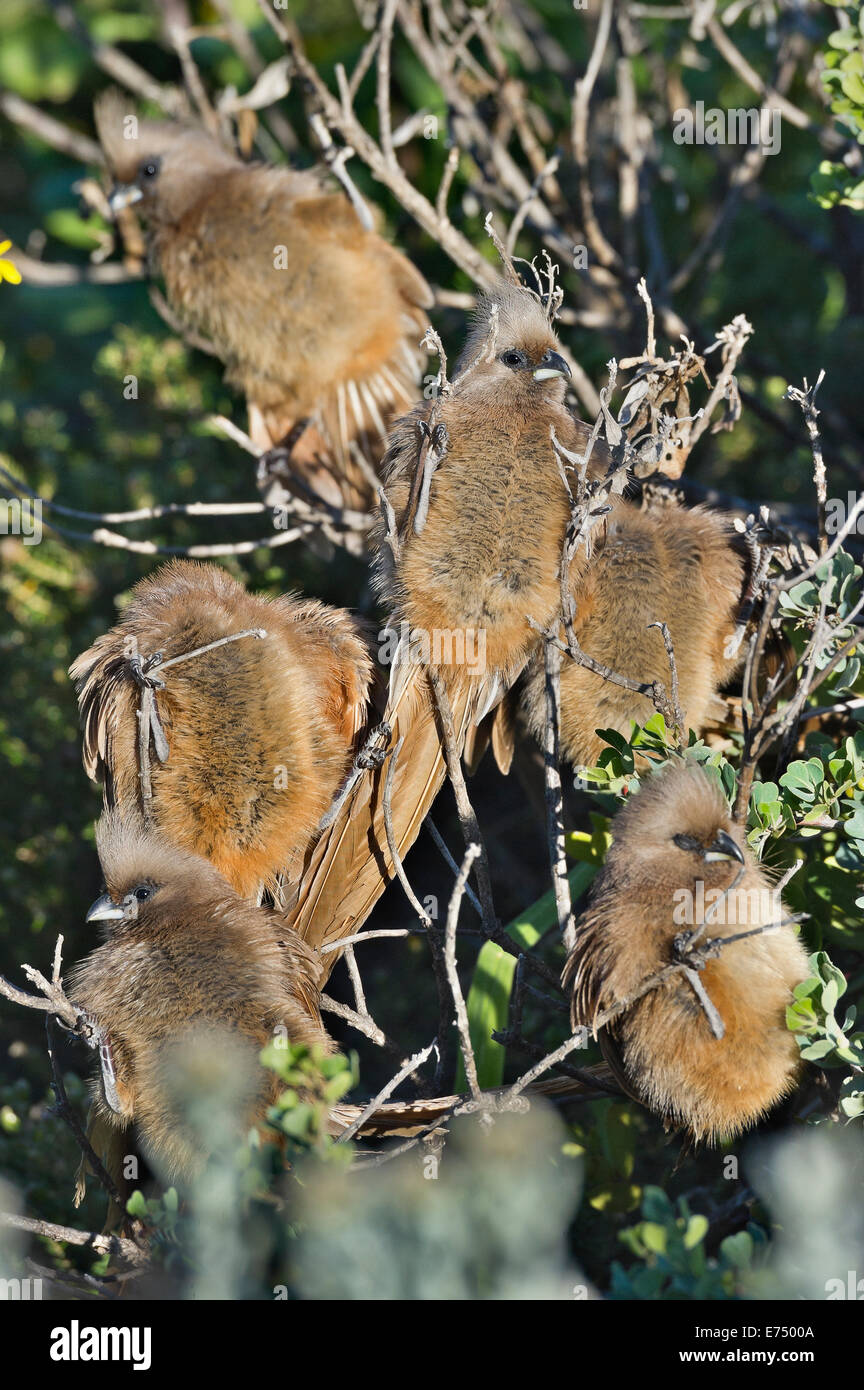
[
  {"x": 654, "y": 1237},
  {"x": 853, "y": 87},
  {"x": 830, "y": 995},
  {"x": 67, "y": 226},
  {"x": 697, "y": 1229},
  {"x": 800, "y": 1017},
  {"x": 298, "y": 1121},
  {"x": 804, "y": 778},
  {"x": 815, "y": 1051},
  {"x": 828, "y": 970},
  {"x": 845, "y": 39},
  {"x": 136, "y": 1205},
  {"x": 488, "y": 1001},
  {"x": 656, "y": 1206},
  {"x": 737, "y": 1250}
]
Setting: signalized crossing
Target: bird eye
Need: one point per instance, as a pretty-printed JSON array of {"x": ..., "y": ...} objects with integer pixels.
[
  {"x": 142, "y": 894},
  {"x": 686, "y": 842},
  {"x": 513, "y": 358},
  {"x": 149, "y": 169}
]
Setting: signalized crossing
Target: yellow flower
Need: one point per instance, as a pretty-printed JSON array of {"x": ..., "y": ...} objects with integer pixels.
[{"x": 8, "y": 271}]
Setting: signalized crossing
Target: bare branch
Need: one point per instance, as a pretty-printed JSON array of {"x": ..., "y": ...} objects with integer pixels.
[
  {"x": 472, "y": 852},
  {"x": 407, "y": 1069},
  {"x": 53, "y": 132},
  {"x": 100, "y": 1244},
  {"x": 554, "y": 797},
  {"x": 601, "y": 248},
  {"x": 806, "y": 399}
]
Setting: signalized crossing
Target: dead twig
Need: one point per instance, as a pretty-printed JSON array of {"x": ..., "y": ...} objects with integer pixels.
[
  {"x": 472, "y": 852},
  {"x": 554, "y": 796}
]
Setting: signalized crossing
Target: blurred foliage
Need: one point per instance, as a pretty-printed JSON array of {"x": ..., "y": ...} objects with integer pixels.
[
  {"x": 671, "y": 1259},
  {"x": 68, "y": 429},
  {"x": 484, "y": 1218},
  {"x": 314, "y": 1082}
]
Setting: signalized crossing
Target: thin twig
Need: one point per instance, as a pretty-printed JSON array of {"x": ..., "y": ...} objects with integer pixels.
[
  {"x": 806, "y": 399},
  {"x": 406, "y": 1070},
  {"x": 466, "y": 812},
  {"x": 472, "y": 852},
  {"x": 441, "y": 845},
  {"x": 680, "y": 722},
  {"x": 101, "y": 1244},
  {"x": 601, "y": 248},
  {"x": 554, "y": 797},
  {"x": 387, "y": 806}
]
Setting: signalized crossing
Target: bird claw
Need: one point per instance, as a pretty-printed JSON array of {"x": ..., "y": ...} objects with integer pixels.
[
  {"x": 94, "y": 1031},
  {"x": 142, "y": 671},
  {"x": 440, "y": 439},
  {"x": 151, "y": 662},
  {"x": 374, "y": 751},
  {"x": 696, "y": 957},
  {"x": 275, "y": 462}
]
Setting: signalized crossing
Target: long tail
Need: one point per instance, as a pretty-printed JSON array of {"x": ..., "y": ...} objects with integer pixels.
[
  {"x": 111, "y": 1143},
  {"x": 400, "y": 1119},
  {"x": 351, "y": 864}
]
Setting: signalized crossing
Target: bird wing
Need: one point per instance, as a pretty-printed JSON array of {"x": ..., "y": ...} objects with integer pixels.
[
  {"x": 101, "y": 678},
  {"x": 363, "y": 407},
  {"x": 584, "y": 975},
  {"x": 498, "y": 728},
  {"x": 346, "y": 693},
  {"x": 335, "y": 355},
  {"x": 111, "y": 1143}
]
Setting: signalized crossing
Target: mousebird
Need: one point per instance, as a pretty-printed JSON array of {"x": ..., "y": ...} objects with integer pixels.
[
  {"x": 680, "y": 876},
  {"x": 673, "y": 565},
  {"x": 479, "y": 512},
  {"x": 189, "y": 984},
  {"x": 317, "y": 319},
  {"x": 251, "y": 738}
]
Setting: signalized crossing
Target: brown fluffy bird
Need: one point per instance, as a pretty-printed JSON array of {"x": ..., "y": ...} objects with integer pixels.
[
  {"x": 258, "y": 733},
  {"x": 475, "y": 552},
  {"x": 190, "y": 978},
  {"x": 316, "y": 318},
  {"x": 670, "y": 565},
  {"x": 676, "y": 835}
]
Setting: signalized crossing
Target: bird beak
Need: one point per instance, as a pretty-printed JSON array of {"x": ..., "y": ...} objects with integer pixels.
[
  {"x": 123, "y": 196},
  {"x": 723, "y": 847},
  {"x": 557, "y": 367},
  {"x": 104, "y": 910}
]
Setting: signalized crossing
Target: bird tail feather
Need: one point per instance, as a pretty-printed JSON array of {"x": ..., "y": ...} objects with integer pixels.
[
  {"x": 110, "y": 1142},
  {"x": 400, "y": 1119},
  {"x": 351, "y": 864}
]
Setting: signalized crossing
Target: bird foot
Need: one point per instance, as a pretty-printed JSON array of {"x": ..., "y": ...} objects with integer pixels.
[
  {"x": 95, "y": 1032},
  {"x": 142, "y": 670},
  {"x": 276, "y": 462},
  {"x": 691, "y": 955},
  {"x": 374, "y": 751}
]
